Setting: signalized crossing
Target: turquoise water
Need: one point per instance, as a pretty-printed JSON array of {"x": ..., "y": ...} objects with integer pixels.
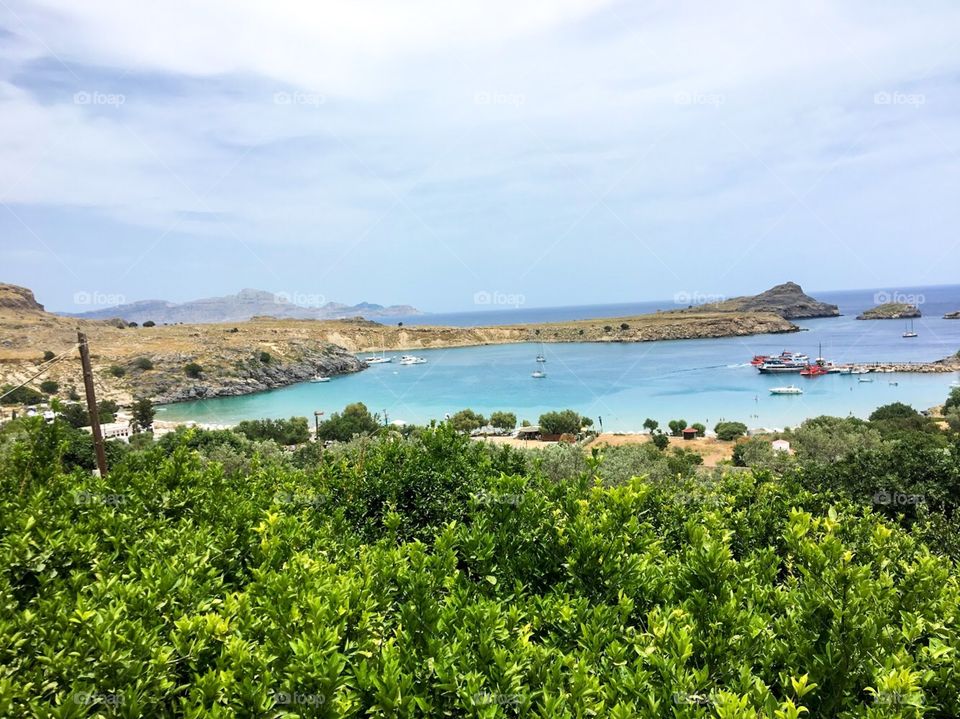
[{"x": 698, "y": 380}]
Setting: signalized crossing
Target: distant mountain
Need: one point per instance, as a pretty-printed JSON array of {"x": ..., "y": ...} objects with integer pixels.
[{"x": 242, "y": 306}]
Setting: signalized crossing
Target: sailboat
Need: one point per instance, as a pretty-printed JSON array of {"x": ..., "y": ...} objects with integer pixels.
[
  {"x": 540, "y": 357},
  {"x": 539, "y": 372},
  {"x": 382, "y": 358},
  {"x": 909, "y": 332}
]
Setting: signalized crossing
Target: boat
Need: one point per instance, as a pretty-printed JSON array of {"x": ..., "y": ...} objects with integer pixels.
[
  {"x": 909, "y": 331},
  {"x": 539, "y": 372},
  {"x": 789, "y": 389},
  {"x": 320, "y": 378},
  {"x": 779, "y": 366},
  {"x": 864, "y": 379},
  {"x": 410, "y": 359},
  {"x": 378, "y": 360},
  {"x": 540, "y": 357}
]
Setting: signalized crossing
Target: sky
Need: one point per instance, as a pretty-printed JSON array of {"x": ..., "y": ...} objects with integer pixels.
[{"x": 475, "y": 155}]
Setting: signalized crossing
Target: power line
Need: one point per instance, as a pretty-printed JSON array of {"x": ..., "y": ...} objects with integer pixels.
[{"x": 43, "y": 369}]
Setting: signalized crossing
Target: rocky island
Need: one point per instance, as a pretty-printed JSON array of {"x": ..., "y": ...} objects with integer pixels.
[
  {"x": 890, "y": 311},
  {"x": 788, "y": 300},
  {"x": 955, "y": 315}
]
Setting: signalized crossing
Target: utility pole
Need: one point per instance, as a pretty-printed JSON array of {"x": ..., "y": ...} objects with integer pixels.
[
  {"x": 92, "y": 404},
  {"x": 316, "y": 421}
]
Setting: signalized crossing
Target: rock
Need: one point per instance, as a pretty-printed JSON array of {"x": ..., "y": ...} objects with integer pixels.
[
  {"x": 952, "y": 315},
  {"x": 787, "y": 300},
  {"x": 890, "y": 311},
  {"x": 20, "y": 299}
]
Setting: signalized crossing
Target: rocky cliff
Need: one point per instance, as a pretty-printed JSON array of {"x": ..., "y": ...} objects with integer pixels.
[{"x": 18, "y": 299}]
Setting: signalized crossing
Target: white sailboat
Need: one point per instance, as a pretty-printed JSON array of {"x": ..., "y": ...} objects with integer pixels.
[
  {"x": 382, "y": 358},
  {"x": 909, "y": 331},
  {"x": 539, "y": 372}
]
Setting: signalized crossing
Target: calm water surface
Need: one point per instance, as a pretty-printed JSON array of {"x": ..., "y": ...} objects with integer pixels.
[{"x": 622, "y": 384}]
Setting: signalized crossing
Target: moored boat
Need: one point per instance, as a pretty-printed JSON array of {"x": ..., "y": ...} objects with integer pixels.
[{"x": 789, "y": 389}]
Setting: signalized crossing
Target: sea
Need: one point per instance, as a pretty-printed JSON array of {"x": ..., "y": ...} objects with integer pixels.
[{"x": 621, "y": 384}]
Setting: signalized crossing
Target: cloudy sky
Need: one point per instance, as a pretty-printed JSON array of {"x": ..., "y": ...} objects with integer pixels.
[{"x": 571, "y": 151}]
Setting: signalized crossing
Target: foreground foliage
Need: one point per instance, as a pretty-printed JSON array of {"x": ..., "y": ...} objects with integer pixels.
[{"x": 433, "y": 576}]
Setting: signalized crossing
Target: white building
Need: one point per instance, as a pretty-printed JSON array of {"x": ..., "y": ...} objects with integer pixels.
[{"x": 780, "y": 445}]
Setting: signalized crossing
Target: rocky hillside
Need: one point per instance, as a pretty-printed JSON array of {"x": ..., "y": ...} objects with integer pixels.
[
  {"x": 243, "y": 306},
  {"x": 890, "y": 311},
  {"x": 787, "y": 300},
  {"x": 18, "y": 299}
]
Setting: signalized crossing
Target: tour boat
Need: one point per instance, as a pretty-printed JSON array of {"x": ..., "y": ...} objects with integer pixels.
[{"x": 789, "y": 389}]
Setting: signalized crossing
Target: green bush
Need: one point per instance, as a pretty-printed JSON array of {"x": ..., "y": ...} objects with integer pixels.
[
  {"x": 143, "y": 363},
  {"x": 435, "y": 576},
  {"x": 355, "y": 420},
  {"x": 21, "y": 395},
  {"x": 193, "y": 370},
  {"x": 295, "y": 430},
  {"x": 117, "y": 371},
  {"x": 564, "y": 422},
  {"x": 48, "y": 386},
  {"x": 729, "y": 431},
  {"x": 48, "y": 355},
  {"x": 503, "y": 420},
  {"x": 265, "y": 357},
  {"x": 466, "y": 420},
  {"x": 149, "y": 323}
]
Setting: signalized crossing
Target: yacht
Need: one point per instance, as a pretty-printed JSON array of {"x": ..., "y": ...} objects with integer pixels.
[
  {"x": 909, "y": 331},
  {"x": 539, "y": 372},
  {"x": 789, "y": 389},
  {"x": 410, "y": 359},
  {"x": 378, "y": 360}
]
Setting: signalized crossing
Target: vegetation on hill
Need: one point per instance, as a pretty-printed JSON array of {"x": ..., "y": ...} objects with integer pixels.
[{"x": 890, "y": 311}]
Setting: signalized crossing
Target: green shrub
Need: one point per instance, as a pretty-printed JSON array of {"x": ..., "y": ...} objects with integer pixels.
[
  {"x": 193, "y": 370},
  {"x": 466, "y": 420},
  {"x": 117, "y": 371},
  {"x": 295, "y": 430},
  {"x": 729, "y": 431},
  {"x": 503, "y": 420},
  {"x": 564, "y": 422},
  {"x": 143, "y": 363},
  {"x": 21, "y": 395},
  {"x": 149, "y": 323},
  {"x": 48, "y": 355},
  {"x": 355, "y": 420},
  {"x": 265, "y": 357},
  {"x": 48, "y": 386}
]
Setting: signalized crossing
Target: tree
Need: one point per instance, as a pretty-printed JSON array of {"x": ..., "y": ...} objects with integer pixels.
[
  {"x": 48, "y": 386},
  {"x": 466, "y": 420},
  {"x": 624, "y": 326},
  {"x": 48, "y": 355},
  {"x": 149, "y": 323},
  {"x": 503, "y": 420},
  {"x": 894, "y": 410},
  {"x": 700, "y": 427},
  {"x": 143, "y": 363},
  {"x": 564, "y": 422},
  {"x": 953, "y": 400},
  {"x": 660, "y": 440},
  {"x": 143, "y": 413},
  {"x": 193, "y": 370},
  {"x": 354, "y": 420},
  {"x": 677, "y": 426},
  {"x": 133, "y": 324},
  {"x": 650, "y": 424},
  {"x": 21, "y": 395},
  {"x": 265, "y": 357},
  {"x": 117, "y": 371},
  {"x": 295, "y": 430},
  {"x": 107, "y": 410},
  {"x": 729, "y": 431},
  {"x": 75, "y": 415}
]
